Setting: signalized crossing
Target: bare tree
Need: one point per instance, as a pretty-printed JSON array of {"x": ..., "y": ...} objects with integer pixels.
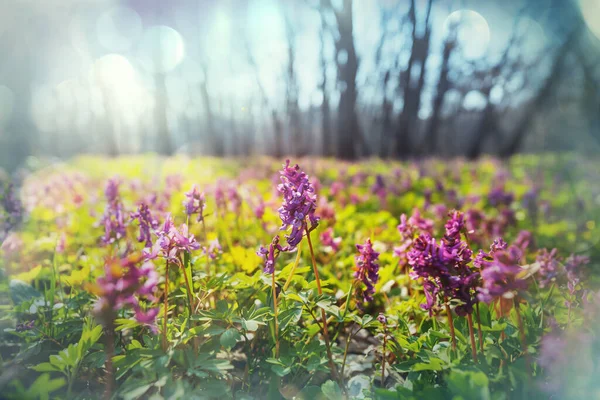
[
  {"x": 346, "y": 59},
  {"x": 326, "y": 131},
  {"x": 292, "y": 107}
]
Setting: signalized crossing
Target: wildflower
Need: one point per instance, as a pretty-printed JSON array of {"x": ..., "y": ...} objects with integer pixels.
[
  {"x": 234, "y": 199},
  {"x": 328, "y": 240},
  {"x": 498, "y": 197},
  {"x": 113, "y": 217},
  {"x": 549, "y": 266},
  {"x": 270, "y": 255},
  {"x": 501, "y": 275},
  {"x": 147, "y": 223},
  {"x": 25, "y": 326},
  {"x": 123, "y": 283},
  {"x": 61, "y": 243},
  {"x": 214, "y": 249},
  {"x": 299, "y": 202},
  {"x": 379, "y": 189},
  {"x": 524, "y": 241},
  {"x": 444, "y": 266},
  {"x": 194, "y": 203},
  {"x": 11, "y": 211},
  {"x": 171, "y": 242},
  {"x": 366, "y": 269},
  {"x": 381, "y": 318}
]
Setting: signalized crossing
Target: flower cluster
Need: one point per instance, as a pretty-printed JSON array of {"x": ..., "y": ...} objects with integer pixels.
[
  {"x": 366, "y": 269},
  {"x": 501, "y": 273},
  {"x": 549, "y": 266},
  {"x": 11, "y": 211},
  {"x": 194, "y": 203},
  {"x": 444, "y": 266},
  {"x": 171, "y": 242},
  {"x": 328, "y": 240},
  {"x": 125, "y": 281},
  {"x": 408, "y": 228},
  {"x": 270, "y": 255},
  {"x": 147, "y": 224},
  {"x": 113, "y": 219},
  {"x": 214, "y": 249},
  {"x": 299, "y": 202},
  {"x": 379, "y": 189}
]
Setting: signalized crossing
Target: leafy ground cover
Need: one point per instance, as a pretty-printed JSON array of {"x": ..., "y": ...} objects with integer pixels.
[{"x": 174, "y": 278}]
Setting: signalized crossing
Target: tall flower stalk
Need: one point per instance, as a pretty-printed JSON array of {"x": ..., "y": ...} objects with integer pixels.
[
  {"x": 270, "y": 256},
  {"x": 297, "y": 212}
]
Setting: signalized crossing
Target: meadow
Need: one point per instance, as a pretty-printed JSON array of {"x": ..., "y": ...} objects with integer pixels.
[{"x": 149, "y": 277}]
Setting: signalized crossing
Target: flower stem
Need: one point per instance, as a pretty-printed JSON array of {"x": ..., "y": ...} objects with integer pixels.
[
  {"x": 110, "y": 352},
  {"x": 166, "y": 306},
  {"x": 323, "y": 315},
  {"x": 522, "y": 334},
  {"x": 206, "y": 244},
  {"x": 383, "y": 357},
  {"x": 451, "y": 324},
  {"x": 296, "y": 262},
  {"x": 275, "y": 312},
  {"x": 186, "y": 268},
  {"x": 348, "y": 339},
  {"x": 479, "y": 332},
  {"x": 472, "y": 336}
]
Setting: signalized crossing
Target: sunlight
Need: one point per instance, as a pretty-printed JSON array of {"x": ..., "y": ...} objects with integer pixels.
[
  {"x": 590, "y": 9},
  {"x": 161, "y": 49},
  {"x": 473, "y": 32}
]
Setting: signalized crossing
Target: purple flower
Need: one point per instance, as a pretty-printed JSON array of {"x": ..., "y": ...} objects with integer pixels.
[
  {"x": 524, "y": 241},
  {"x": 379, "y": 189},
  {"x": 498, "y": 196},
  {"x": 270, "y": 255},
  {"x": 194, "y": 203},
  {"x": 214, "y": 249},
  {"x": 327, "y": 239},
  {"x": 25, "y": 326},
  {"x": 299, "y": 202},
  {"x": 125, "y": 281},
  {"x": 501, "y": 275},
  {"x": 147, "y": 224},
  {"x": 11, "y": 211},
  {"x": 184, "y": 240},
  {"x": 366, "y": 269},
  {"x": 234, "y": 199},
  {"x": 549, "y": 266},
  {"x": 171, "y": 242},
  {"x": 444, "y": 267},
  {"x": 113, "y": 219},
  {"x": 382, "y": 319}
]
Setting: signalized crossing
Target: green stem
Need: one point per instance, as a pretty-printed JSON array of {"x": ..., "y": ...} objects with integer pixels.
[
  {"x": 275, "y": 313},
  {"x": 323, "y": 315},
  {"x": 166, "y": 306},
  {"x": 479, "y": 331},
  {"x": 296, "y": 262}
]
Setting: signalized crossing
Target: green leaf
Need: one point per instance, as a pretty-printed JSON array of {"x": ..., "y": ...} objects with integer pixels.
[
  {"x": 332, "y": 391},
  {"x": 46, "y": 367},
  {"x": 469, "y": 385},
  {"x": 291, "y": 315},
  {"x": 434, "y": 364},
  {"x": 21, "y": 292},
  {"x": 280, "y": 370},
  {"x": 230, "y": 337}
]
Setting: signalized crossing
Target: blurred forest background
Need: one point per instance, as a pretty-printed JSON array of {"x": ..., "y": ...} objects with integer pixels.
[{"x": 387, "y": 78}]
